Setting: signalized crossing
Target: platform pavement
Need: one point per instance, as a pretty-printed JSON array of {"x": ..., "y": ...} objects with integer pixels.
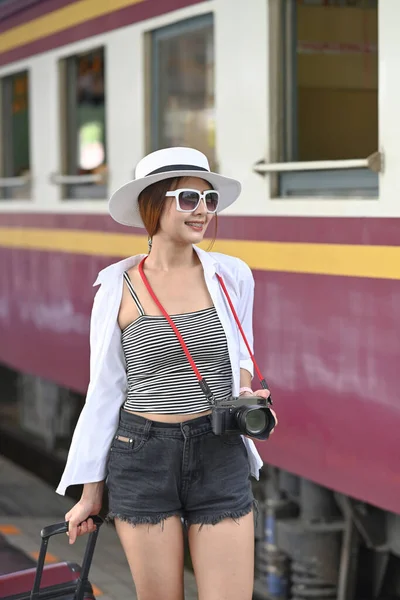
[{"x": 27, "y": 504}]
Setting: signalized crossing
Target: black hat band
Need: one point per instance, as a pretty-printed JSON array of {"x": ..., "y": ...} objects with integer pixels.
[{"x": 177, "y": 168}]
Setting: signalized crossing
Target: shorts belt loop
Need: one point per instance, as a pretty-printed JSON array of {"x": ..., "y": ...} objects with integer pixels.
[{"x": 146, "y": 430}]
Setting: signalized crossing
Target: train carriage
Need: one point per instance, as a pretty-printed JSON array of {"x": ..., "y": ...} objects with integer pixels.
[{"x": 299, "y": 100}]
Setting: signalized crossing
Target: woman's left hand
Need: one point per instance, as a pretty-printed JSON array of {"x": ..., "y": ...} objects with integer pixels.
[{"x": 264, "y": 394}]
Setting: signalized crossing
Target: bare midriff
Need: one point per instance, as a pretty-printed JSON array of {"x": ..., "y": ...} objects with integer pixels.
[{"x": 169, "y": 418}]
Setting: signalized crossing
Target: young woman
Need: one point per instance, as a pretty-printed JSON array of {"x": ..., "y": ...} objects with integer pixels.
[{"x": 145, "y": 429}]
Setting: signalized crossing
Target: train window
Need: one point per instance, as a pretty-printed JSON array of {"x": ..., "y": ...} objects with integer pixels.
[
  {"x": 85, "y": 158},
  {"x": 15, "y": 137},
  {"x": 329, "y": 94},
  {"x": 183, "y": 111}
]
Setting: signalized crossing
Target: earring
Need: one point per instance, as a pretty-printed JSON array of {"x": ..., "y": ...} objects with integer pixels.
[{"x": 150, "y": 244}]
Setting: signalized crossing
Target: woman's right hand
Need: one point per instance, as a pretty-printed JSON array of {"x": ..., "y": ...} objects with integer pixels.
[{"x": 77, "y": 517}]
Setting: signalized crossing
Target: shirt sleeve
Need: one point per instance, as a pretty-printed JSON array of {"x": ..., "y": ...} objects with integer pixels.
[
  {"x": 245, "y": 314},
  {"x": 98, "y": 421}
]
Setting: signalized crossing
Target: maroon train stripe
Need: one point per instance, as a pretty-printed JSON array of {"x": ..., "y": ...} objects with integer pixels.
[
  {"x": 120, "y": 18},
  {"x": 22, "y": 11},
  {"x": 319, "y": 230}
]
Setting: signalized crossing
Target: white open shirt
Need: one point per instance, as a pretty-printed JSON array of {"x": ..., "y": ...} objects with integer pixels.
[{"x": 98, "y": 421}]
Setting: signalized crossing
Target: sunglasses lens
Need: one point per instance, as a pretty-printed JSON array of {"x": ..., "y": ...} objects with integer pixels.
[
  {"x": 211, "y": 201},
  {"x": 188, "y": 201}
]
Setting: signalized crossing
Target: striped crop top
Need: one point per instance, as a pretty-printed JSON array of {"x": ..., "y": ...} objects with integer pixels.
[{"x": 160, "y": 378}]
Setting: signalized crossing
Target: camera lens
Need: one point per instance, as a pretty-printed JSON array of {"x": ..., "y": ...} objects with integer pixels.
[{"x": 256, "y": 421}]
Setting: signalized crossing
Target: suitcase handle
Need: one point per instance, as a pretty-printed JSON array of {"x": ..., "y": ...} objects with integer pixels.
[{"x": 56, "y": 529}]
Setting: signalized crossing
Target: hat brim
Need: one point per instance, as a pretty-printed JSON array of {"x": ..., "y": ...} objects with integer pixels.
[{"x": 124, "y": 208}]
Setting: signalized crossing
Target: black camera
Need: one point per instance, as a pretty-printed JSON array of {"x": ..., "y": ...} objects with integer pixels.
[{"x": 249, "y": 415}]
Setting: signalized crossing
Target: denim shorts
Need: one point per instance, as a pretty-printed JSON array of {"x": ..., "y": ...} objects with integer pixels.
[{"x": 158, "y": 470}]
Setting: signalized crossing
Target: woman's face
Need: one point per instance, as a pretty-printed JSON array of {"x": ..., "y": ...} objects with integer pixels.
[{"x": 185, "y": 227}]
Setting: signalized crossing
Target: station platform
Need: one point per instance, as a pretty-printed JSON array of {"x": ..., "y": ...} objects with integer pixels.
[{"x": 27, "y": 504}]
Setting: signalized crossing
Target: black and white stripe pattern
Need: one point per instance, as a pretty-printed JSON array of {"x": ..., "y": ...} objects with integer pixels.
[
  {"x": 160, "y": 378},
  {"x": 133, "y": 294}
]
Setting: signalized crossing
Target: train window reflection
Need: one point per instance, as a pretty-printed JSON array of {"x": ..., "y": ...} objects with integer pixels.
[
  {"x": 183, "y": 111},
  {"x": 15, "y": 137},
  {"x": 330, "y": 95},
  {"x": 85, "y": 126}
]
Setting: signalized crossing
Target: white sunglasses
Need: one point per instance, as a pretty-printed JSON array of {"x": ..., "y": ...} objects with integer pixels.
[{"x": 188, "y": 200}]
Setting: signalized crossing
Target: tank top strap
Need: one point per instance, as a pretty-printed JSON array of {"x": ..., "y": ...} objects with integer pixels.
[{"x": 133, "y": 294}]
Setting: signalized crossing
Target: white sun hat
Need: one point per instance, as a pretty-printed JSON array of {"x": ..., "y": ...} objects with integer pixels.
[{"x": 162, "y": 164}]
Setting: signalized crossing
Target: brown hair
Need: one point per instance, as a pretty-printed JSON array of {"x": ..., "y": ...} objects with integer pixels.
[{"x": 151, "y": 203}]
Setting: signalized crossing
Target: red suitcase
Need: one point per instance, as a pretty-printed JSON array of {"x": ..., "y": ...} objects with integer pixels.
[{"x": 61, "y": 581}]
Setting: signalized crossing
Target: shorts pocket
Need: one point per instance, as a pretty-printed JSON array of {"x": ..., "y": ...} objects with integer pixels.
[{"x": 126, "y": 442}]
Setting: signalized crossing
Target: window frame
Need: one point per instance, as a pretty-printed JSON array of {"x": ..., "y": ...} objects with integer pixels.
[
  {"x": 7, "y": 149},
  {"x": 68, "y": 137},
  {"x": 165, "y": 32},
  {"x": 284, "y": 85}
]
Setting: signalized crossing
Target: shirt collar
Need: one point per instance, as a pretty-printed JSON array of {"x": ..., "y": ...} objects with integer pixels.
[
  {"x": 116, "y": 269},
  {"x": 208, "y": 261}
]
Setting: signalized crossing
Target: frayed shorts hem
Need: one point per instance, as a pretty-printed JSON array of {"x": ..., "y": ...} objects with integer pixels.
[
  {"x": 214, "y": 519},
  {"x": 188, "y": 520},
  {"x": 144, "y": 519}
]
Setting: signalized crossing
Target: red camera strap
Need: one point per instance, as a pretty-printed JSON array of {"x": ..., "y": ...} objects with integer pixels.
[{"x": 201, "y": 380}]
